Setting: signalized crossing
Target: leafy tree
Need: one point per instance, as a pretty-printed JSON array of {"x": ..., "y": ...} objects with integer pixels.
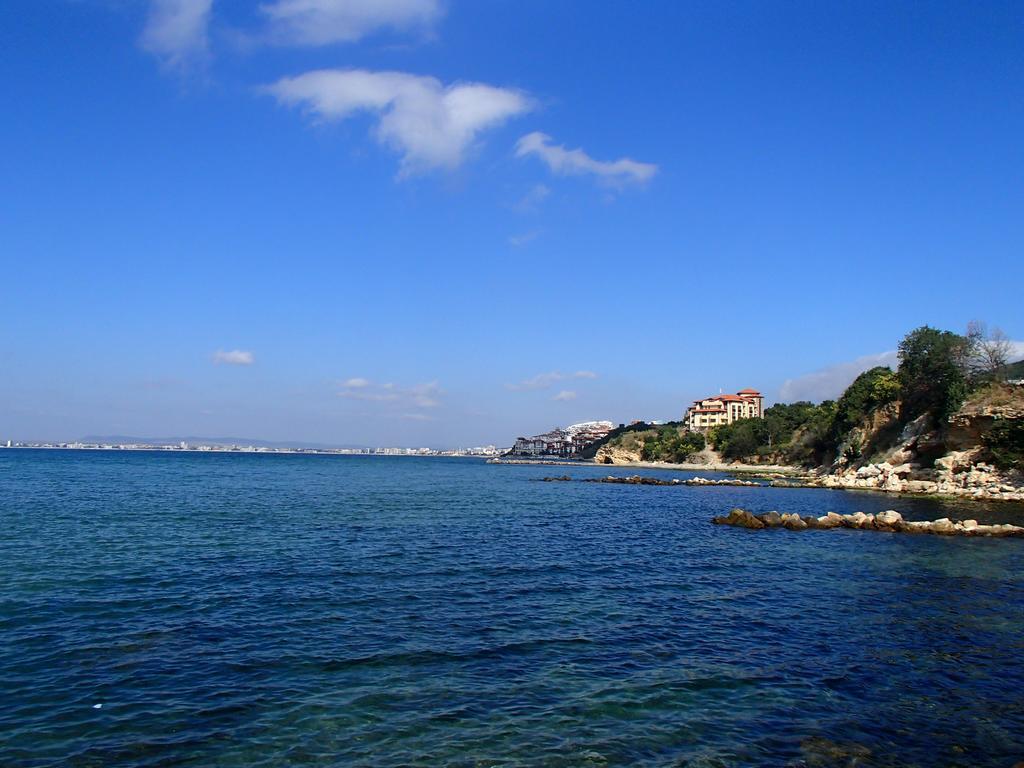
[{"x": 931, "y": 372}]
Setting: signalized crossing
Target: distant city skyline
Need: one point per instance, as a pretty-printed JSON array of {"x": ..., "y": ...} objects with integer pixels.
[{"x": 445, "y": 224}]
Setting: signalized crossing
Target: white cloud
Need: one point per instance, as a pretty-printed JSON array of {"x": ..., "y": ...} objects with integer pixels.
[
  {"x": 576, "y": 162},
  {"x": 565, "y": 395},
  {"x": 176, "y": 31},
  {"x": 234, "y": 357},
  {"x": 829, "y": 383},
  {"x": 431, "y": 125},
  {"x": 322, "y": 22},
  {"x": 426, "y": 395},
  {"x": 546, "y": 380}
]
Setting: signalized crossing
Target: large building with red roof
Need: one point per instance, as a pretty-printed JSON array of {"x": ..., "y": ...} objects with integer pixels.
[{"x": 724, "y": 409}]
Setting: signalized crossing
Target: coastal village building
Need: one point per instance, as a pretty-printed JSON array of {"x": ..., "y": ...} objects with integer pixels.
[
  {"x": 724, "y": 409},
  {"x": 563, "y": 443}
]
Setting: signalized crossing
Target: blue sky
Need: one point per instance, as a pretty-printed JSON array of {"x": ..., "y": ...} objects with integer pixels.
[{"x": 447, "y": 223}]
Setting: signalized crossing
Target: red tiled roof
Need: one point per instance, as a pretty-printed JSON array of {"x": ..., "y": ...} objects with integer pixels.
[{"x": 749, "y": 391}]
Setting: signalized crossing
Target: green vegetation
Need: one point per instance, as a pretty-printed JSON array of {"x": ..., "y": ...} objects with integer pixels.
[
  {"x": 791, "y": 432},
  {"x": 932, "y": 373},
  {"x": 938, "y": 370},
  {"x": 663, "y": 442},
  {"x": 672, "y": 444},
  {"x": 872, "y": 389},
  {"x": 1005, "y": 441}
]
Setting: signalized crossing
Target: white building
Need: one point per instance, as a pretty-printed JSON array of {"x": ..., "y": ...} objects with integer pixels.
[{"x": 724, "y": 409}]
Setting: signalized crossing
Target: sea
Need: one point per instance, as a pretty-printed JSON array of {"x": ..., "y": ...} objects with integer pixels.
[{"x": 221, "y": 609}]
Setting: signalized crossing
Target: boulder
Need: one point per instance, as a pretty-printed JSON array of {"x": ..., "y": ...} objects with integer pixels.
[
  {"x": 771, "y": 519},
  {"x": 794, "y": 523},
  {"x": 893, "y": 483},
  {"x": 740, "y": 518},
  {"x": 943, "y": 526},
  {"x": 831, "y": 520},
  {"x": 888, "y": 520},
  {"x": 916, "y": 526},
  {"x": 857, "y": 520}
]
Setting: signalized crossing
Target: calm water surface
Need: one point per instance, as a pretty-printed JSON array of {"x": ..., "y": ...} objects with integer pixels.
[{"x": 261, "y": 610}]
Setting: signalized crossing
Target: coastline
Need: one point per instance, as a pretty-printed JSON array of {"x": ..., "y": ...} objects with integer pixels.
[{"x": 756, "y": 469}]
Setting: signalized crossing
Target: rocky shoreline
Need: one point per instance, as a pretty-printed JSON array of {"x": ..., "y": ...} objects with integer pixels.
[
  {"x": 890, "y": 521},
  {"x": 642, "y": 480},
  {"x": 952, "y": 475}
]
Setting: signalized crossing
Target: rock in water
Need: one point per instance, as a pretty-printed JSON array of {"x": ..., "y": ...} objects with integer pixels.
[
  {"x": 740, "y": 518},
  {"x": 888, "y": 520},
  {"x": 793, "y": 522},
  {"x": 831, "y": 520}
]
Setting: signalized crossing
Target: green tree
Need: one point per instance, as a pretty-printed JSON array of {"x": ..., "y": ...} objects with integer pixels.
[
  {"x": 931, "y": 372},
  {"x": 871, "y": 389}
]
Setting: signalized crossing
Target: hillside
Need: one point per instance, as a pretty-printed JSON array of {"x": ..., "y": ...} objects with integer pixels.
[
  {"x": 944, "y": 423},
  {"x": 647, "y": 442}
]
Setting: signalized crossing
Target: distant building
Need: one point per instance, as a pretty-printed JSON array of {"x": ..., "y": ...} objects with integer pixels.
[
  {"x": 563, "y": 443},
  {"x": 724, "y": 409}
]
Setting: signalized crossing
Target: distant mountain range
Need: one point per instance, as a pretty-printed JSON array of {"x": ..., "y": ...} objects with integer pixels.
[{"x": 217, "y": 441}]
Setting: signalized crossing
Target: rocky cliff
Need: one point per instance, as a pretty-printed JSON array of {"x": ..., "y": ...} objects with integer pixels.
[{"x": 922, "y": 457}]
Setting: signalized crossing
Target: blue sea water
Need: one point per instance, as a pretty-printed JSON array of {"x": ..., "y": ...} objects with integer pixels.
[{"x": 181, "y": 609}]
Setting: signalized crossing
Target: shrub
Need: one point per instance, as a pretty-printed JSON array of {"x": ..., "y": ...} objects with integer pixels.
[{"x": 1005, "y": 441}]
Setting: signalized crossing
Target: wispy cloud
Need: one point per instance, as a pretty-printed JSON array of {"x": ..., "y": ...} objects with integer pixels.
[
  {"x": 425, "y": 395},
  {"x": 322, "y": 22},
  {"x": 233, "y": 357},
  {"x": 518, "y": 241},
  {"x": 829, "y": 383},
  {"x": 431, "y": 125},
  {"x": 576, "y": 162},
  {"x": 176, "y": 31},
  {"x": 565, "y": 395},
  {"x": 532, "y": 200},
  {"x": 417, "y": 417},
  {"x": 549, "y": 379}
]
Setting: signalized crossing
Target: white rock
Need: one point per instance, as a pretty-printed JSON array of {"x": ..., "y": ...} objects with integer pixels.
[{"x": 889, "y": 517}]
